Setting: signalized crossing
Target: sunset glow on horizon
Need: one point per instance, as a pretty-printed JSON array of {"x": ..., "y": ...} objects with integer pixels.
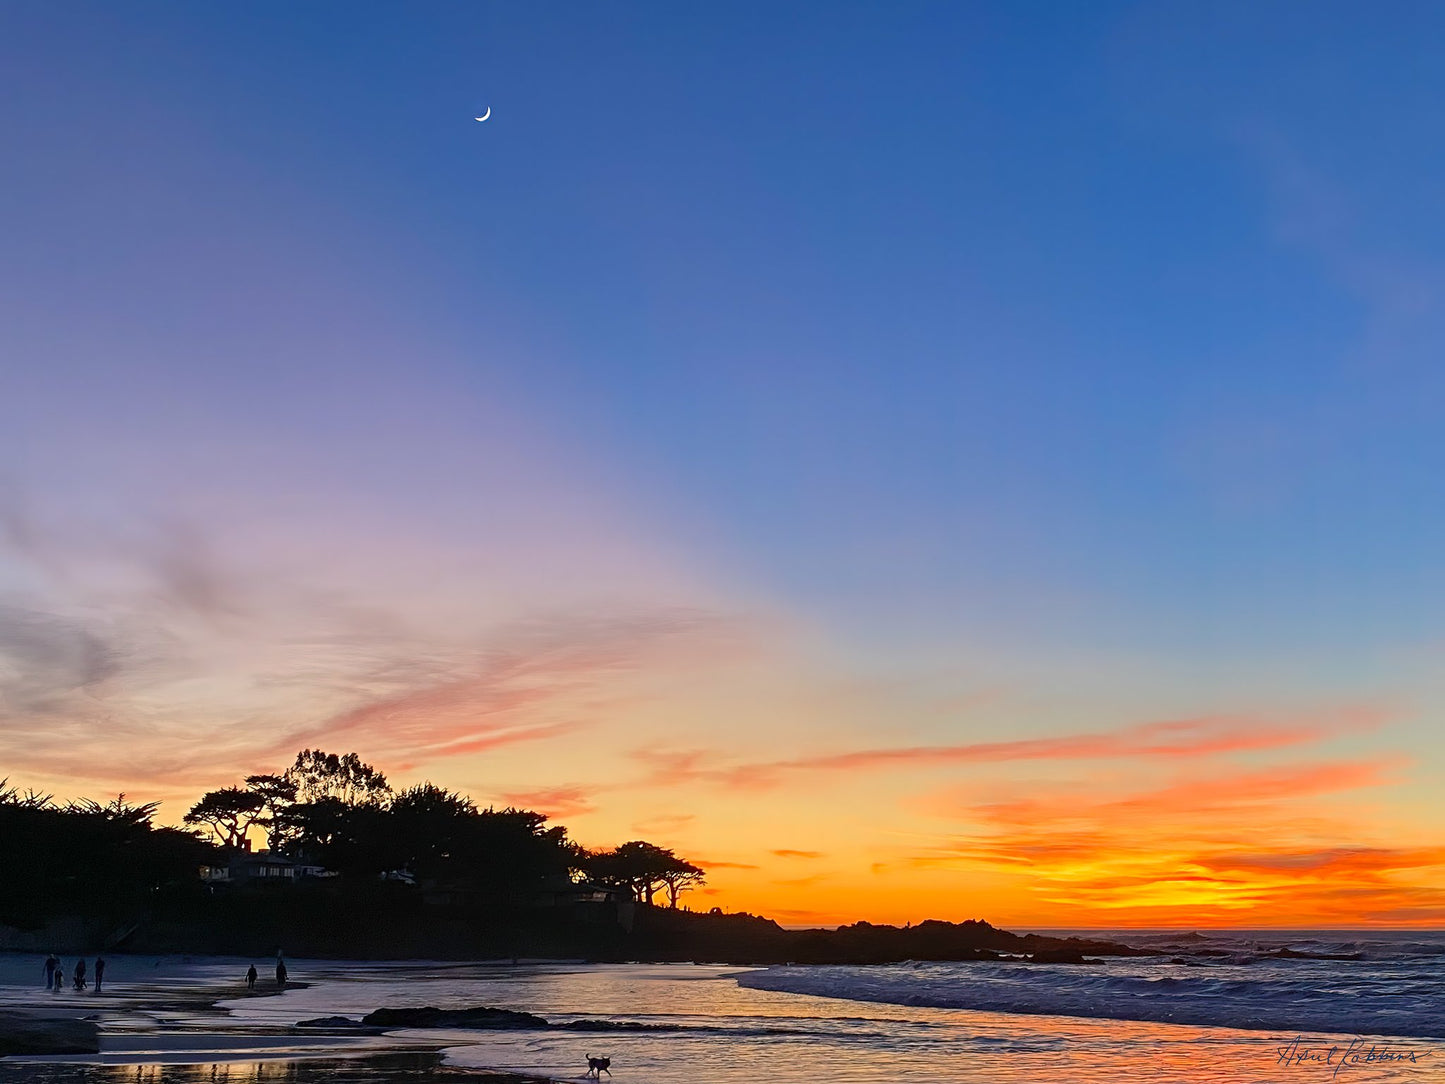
[{"x": 959, "y": 472}]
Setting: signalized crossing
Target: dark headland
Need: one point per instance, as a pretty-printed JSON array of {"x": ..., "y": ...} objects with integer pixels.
[{"x": 391, "y": 923}]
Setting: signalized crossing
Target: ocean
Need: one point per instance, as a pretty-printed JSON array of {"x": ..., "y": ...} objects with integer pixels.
[{"x": 1211, "y": 1007}]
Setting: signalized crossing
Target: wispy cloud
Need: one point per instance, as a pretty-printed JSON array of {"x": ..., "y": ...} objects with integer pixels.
[
  {"x": 539, "y": 680},
  {"x": 201, "y": 671},
  {"x": 1189, "y": 796},
  {"x": 714, "y": 863},
  {"x": 555, "y": 802},
  {"x": 190, "y": 576},
  {"x": 1174, "y": 739},
  {"x": 47, "y": 659}
]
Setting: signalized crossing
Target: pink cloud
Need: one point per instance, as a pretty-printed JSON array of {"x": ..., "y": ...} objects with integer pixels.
[
  {"x": 538, "y": 681},
  {"x": 1197, "y": 795},
  {"x": 555, "y": 802},
  {"x": 1208, "y": 735}
]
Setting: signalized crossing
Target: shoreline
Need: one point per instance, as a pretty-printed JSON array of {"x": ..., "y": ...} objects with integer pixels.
[
  {"x": 393, "y": 1067},
  {"x": 212, "y": 1038},
  {"x": 655, "y": 1019}
]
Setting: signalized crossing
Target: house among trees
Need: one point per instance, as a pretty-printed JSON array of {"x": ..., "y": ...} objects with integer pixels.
[
  {"x": 265, "y": 867},
  {"x": 335, "y": 815},
  {"x": 585, "y": 901}
]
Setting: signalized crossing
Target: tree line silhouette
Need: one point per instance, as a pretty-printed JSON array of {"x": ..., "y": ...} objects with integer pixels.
[
  {"x": 82, "y": 857},
  {"x": 338, "y": 812},
  {"x": 327, "y": 810},
  {"x": 419, "y": 873}
]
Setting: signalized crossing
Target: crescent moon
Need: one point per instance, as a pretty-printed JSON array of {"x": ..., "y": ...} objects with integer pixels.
[{"x": 485, "y": 115}]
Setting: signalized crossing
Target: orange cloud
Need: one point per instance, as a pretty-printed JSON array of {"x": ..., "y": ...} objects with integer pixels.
[
  {"x": 706, "y": 863},
  {"x": 1185, "y": 796},
  {"x": 1204, "y": 849},
  {"x": 787, "y": 853},
  {"x": 555, "y": 802},
  {"x": 1335, "y": 861},
  {"x": 1208, "y": 735}
]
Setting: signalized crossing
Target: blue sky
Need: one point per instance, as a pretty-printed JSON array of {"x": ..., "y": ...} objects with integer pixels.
[{"x": 1091, "y": 348}]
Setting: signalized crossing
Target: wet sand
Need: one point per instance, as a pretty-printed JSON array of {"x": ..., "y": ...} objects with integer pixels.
[
  {"x": 389, "y": 1068},
  {"x": 162, "y": 1032}
]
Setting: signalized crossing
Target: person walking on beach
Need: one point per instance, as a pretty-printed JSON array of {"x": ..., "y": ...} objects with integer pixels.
[
  {"x": 280, "y": 973},
  {"x": 80, "y": 973},
  {"x": 99, "y": 972},
  {"x": 59, "y": 975},
  {"x": 251, "y": 977},
  {"x": 51, "y": 963}
]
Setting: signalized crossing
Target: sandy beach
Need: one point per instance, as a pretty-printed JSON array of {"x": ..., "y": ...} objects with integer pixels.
[
  {"x": 180, "y": 1020},
  {"x": 371, "y": 1069},
  {"x": 167, "y": 1024}
]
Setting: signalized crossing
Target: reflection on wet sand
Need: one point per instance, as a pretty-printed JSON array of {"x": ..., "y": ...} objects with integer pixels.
[{"x": 376, "y": 1069}]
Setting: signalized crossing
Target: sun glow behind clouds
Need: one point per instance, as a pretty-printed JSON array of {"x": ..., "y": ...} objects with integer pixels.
[
  {"x": 503, "y": 628},
  {"x": 667, "y": 722},
  {"x": 897, "y": 535}
]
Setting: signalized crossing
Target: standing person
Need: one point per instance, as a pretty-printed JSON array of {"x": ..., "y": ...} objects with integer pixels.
[
  {"x": 280, "y": 972},
  {"x": 51, "y": 963},
  {"x": 99, "y": 972},
  {"x": 251, "y": 977},
  {"x": 59, "y": 975},
  {"x": 80, "y": 973}
]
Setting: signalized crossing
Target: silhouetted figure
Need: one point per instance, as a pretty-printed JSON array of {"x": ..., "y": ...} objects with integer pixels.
[
  {"x": 597, "y": 1066},
  {"x": 251, "y": 977},
  {"x": 281, "y": 973},
  {"x": 59, "y": 975},
  {"x": 80, "y": 973},
  {"x": 51, "y": 963},
  {"x": 99, "y": 972}
]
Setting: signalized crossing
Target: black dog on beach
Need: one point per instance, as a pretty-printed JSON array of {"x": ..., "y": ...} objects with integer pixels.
[{"x": 597, "y": 1066}]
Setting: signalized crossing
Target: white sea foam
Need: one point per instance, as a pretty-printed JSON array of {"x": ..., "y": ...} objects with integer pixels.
[{"x": 1395, "y": 987}]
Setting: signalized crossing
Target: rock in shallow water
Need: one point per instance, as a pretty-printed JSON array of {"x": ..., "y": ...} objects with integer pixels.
[
  {"x": 429, "y": 1017},
  {"x": 27, "y": 1033},
  {"x": 330, "y": 1022}
]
